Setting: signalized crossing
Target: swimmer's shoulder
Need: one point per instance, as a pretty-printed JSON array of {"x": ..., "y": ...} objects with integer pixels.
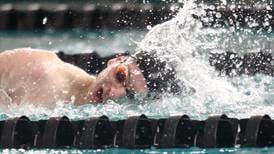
[{"x": 29, "y": 52}]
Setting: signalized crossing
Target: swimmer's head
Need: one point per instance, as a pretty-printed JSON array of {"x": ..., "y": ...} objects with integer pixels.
[
  {"x": 120, "y": 77},
  {"x": 138, "y": 75}
]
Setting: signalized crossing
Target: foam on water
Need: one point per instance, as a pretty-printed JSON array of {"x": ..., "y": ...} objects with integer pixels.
[
  {"x": 185, "y": 44},
  {"x": 146, "y": 151}
]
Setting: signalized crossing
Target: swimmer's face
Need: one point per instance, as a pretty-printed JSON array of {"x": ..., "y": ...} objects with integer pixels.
[{"x": 122, "y": 75}]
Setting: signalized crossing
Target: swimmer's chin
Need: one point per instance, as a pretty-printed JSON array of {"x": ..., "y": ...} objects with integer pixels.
[
  {"x": 92, "y": 100},
  {"x": 93, "y": 97}
]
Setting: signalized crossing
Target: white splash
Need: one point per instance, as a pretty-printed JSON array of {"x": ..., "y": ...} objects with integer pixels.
[{"x": 185, "y": 44}]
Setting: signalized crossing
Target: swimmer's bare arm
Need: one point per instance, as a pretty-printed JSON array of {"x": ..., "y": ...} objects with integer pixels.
[{"x": 40, "y": 76}]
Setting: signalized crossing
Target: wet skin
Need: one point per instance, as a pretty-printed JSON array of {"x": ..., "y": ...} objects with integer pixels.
[{"x": 40, "y": 77}]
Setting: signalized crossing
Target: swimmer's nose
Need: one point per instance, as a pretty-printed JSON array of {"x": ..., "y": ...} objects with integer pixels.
[{"x": 116, "y": 93}]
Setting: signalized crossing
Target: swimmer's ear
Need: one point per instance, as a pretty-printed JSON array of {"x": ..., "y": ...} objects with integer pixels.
[
  {"x": 111, "y": 61},
  {"x": 117, "y": 59}
]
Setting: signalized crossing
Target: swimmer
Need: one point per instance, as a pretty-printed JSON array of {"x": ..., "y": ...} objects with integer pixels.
[{"x": 39, "y": 77}]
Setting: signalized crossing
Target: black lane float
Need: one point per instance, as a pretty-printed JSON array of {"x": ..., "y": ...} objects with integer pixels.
[
  {"x": 137, "y": 132},
  {"x": 53, "y": 15}
]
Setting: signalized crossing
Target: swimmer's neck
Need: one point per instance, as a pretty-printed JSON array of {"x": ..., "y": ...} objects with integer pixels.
[
  {"x": 79, "y": 84},
  {"x": 81, "y": 91}
]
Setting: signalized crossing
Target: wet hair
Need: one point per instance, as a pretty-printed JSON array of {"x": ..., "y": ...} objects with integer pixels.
[{"x": 160, "y": 77}]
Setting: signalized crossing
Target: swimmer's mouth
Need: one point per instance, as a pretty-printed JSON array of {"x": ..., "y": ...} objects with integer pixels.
[{"x": 97, "y": 96}]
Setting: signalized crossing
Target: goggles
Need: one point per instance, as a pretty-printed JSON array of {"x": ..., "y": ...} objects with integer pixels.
[{"x": 121, "y": 74}]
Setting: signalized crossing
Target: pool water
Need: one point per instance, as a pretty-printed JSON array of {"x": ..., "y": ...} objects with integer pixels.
[
  {"x": 105, "y": 42},
  {"x": 184, "y": 44}
]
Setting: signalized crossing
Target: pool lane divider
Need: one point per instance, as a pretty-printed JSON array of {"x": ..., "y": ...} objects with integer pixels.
[
  {"x": 36, "y": 16},
  {"x": 217, "y": 131},
  {"x": 87, "y": 16}
]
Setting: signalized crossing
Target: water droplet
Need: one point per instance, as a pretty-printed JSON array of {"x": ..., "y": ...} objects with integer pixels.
[{"x": 45, "y": 20}]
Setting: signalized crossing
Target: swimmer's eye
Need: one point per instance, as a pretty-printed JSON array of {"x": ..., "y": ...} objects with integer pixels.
[{"x": 121, "y": 73}]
